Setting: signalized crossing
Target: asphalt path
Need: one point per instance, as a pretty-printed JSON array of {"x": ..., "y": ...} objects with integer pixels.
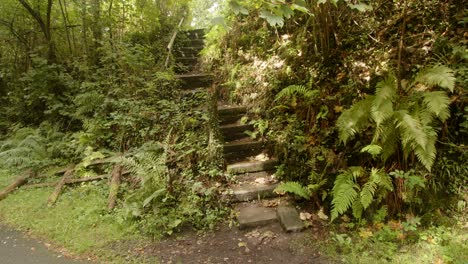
[{"x": 17, "y": 248}]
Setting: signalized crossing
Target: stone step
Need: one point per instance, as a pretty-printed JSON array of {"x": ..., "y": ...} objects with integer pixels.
[
  {"x": 227, "y": 110},
  {"x": 188, "y": 51},
  {"x": 241, "y": 145},
  {"x": 289, "y": 218},
  {"x": 194, "y": 34},
  {"x": 252, "y": 191},
  {"x": 235, "y": 131},
  {"x": 242, "y": 149},
  {"x": 231, "y": 114},
  {"x": 255, "y": 215},
  {"x": 187, "y": 61},
  {"x": 191, "y": 81},
  {"x": 251, "y": 166},
  {"x": 195, "y": 42},
  {"x": 180, "y": 68}
]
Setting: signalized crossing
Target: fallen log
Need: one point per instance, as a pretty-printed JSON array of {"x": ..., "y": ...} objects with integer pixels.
[
  {"x": 17, "y": 183},
  {"x": 70, "y": 181},
  {"x": 114, "y": 186},
  {"x": 58, "y": 188}
]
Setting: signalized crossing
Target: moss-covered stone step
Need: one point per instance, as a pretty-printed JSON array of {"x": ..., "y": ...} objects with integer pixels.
[
  {"x": 194, "y": 34},
  {"x": 289, "y": 218},
  {"x": 192, "y": 81},
  {"x": 188, "y": 61},
  {"x": 253, "y": 191},
  {"x": 255, "y": 215},
  {"x": 235, "y": 131},
  {"x": 188, "y": 51},
  {"x": 251, "y": 166},
  {"x": 242, "y": 145}
]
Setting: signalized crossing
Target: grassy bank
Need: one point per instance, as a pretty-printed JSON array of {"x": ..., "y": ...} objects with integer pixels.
[{"x": 79, "y": 220}]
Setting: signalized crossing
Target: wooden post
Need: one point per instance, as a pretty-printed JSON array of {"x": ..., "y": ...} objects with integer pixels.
[
  {"x": 114, "y": 186},
  {"x": 17, "y": 183},
  {"x": 58, "y": 188}
]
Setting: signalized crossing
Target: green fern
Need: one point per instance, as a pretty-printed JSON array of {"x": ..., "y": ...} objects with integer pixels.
[
  {"x": 408, "y": 118},
  {"x": 354, "y": 119},
  {"x": 437, "y": 75},
  {"x": 294, "y": 188},
  {"x": 349, "y": 194},
  {"x": 297, "y": 90},
  {"x": 26, "y": 148}
]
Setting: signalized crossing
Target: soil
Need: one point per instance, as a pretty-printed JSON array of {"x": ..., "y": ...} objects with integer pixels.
[{"x": 230, "y": 245}]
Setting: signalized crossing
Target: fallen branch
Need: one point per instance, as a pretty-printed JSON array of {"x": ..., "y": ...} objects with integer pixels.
[
  {"x": 17, "y": 183},
  {"x": 69, "y": 181},
  {"x": 58, "y": 188},
  {"x": 114, "y": 186}
]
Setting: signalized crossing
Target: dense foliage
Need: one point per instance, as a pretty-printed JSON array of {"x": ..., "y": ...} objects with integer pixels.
[
  {"x": 364, "y": 101},
  {"x": 86, "y": 80}
]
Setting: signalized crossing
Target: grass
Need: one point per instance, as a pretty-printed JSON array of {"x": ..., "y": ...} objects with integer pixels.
[
  {"x": 78, "y": 221},
  {"x": 433, "y": 245}
]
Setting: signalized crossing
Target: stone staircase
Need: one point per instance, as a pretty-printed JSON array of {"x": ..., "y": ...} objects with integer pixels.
[
  {"x": 247, "y": 160},
  {"x": 252, "y": 192}
]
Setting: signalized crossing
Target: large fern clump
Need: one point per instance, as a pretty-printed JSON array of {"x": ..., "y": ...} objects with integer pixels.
[
  {"x": 26, "y": 148},
  {"x": 349, "y": 193},
  {"x": 403, "y": 115}
]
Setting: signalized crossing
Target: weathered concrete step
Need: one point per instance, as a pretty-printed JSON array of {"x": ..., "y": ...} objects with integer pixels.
[
  {"x": 250, "y": 192},
  {"x": 231, "y": 114},
  {"x": 235, "y": 131},
  {"x": 190, "y": 81},
  {"x": 187, "y": 51},
  {"x": 243, "y": 145},
  {"x": 289, "y": 218},
  {"x": 194, "y": 34},
  {"x": 195, "y": 42},
  {"x": 187, "y": 60},
  {"x": 253, "y": 215},
  {"x": 251, "y": 166},
  {"x": 227, "y": 110}
]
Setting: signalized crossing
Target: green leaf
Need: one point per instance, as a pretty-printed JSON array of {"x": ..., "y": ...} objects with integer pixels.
[
  {"x": 237, "y": 8},
  {"x": 438, "y": 75},
  {"x": 153, "y": 196},
  {"x": 294, "y": 188},
  {"x": 272, "y": 19},
  {"x": 438, "y": 103},
  {"x": 361, "y": 7},
  {"x": 374, "y": 150},
  {"x": 302, "y": 9}
]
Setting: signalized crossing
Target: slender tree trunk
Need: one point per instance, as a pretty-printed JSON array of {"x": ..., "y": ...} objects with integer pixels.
[
  {"x": 97, "y": 30},
  {"x": 65, "y": 23},
  {"x": 44, "y": 25}
]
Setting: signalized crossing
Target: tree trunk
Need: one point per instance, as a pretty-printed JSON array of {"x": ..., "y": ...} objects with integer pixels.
[
  {"x": 114, "y": 187},
  {"x": 69, "y": 181},
  {"x": 17, "y": 183},
  {"x": 58, "y": 188},
  {"x": 44, "y": 25}
]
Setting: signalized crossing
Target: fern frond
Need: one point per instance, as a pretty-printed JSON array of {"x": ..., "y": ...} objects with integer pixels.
[
  {"x": 427, "y": 154},
  {"x": 354, "y": 119},
  {"x": 382, "y": 105},
  {"x": 411, "y": 130},
  {"x": 438, "y": 75},
  {"x": 296, "y": 90},
  {"x": 437, "y": 103},
  {"x": 294, "y": 188},
  {"x": 344, "y": 191},
  {"x": 388, "y": 139},
  {"x": 357, "y": 208}
]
